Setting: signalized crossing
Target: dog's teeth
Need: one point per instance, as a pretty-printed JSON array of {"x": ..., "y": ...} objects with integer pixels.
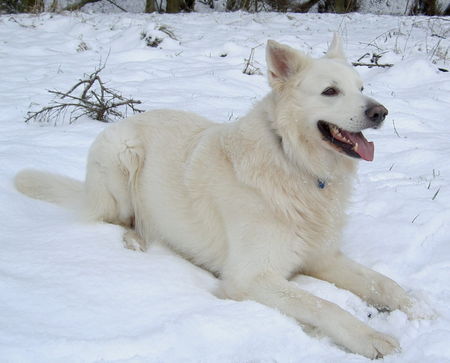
[
  {"x": 336, "y": 133},
  {"x": 356, "y": 147}
]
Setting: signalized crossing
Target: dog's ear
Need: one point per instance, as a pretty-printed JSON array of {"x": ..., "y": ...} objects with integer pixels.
[
  {"x": 282, "y": 62},
  {"x": 336, "y": 50}
]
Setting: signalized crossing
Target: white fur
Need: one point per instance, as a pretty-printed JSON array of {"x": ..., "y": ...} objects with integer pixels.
[{"x": 241, "y": 199}]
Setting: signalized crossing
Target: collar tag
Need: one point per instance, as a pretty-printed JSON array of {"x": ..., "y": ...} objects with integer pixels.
[{"x": 321, "y": 184}]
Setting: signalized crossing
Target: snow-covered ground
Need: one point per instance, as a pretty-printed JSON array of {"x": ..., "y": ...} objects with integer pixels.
[{"x": 70, "y": 292}]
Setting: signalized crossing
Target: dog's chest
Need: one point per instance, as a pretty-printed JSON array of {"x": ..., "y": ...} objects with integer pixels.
[{"x": 316, "y": 211}]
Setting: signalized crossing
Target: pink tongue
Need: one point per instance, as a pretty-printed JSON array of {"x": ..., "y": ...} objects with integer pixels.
[{"x": 365, "y": 148}]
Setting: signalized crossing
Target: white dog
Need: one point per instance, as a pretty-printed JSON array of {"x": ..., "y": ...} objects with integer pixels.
[{"x": 255, "y": 201}]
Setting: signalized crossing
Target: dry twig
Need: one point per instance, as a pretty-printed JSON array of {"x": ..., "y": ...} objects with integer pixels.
[
  {"x": 95, "y": 101},
  {"x": 373, "y": 61},
  {"x": 370, "y": 65},
  {"x": 250, "y": 68}
]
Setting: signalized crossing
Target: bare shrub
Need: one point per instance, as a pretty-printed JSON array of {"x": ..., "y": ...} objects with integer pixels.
[{"x": 89, "y": 97}]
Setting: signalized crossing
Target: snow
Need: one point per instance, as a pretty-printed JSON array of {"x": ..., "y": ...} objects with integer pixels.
[{"x": 70, "y": 292}]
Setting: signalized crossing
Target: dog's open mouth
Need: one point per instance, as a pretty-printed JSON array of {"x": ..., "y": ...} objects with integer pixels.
[{"x": 353, "y": 144}]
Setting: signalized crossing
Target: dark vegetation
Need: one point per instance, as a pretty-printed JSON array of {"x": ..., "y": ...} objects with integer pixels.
[{"x": 415, "y": 7}]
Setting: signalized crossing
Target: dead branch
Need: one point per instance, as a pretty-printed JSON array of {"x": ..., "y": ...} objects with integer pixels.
[
  {"x": 370, "y": 65},
  {"x": 373, "y": 61},
  {"x": 88, "y": 97},
  {"x": 363, "y": 56}
]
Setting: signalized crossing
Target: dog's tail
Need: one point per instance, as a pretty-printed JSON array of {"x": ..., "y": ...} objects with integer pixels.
[{"x": 53, "y": 188}]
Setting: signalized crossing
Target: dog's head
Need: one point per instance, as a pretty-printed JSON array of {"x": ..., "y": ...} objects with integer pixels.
[{"x": 327, "y": 98}]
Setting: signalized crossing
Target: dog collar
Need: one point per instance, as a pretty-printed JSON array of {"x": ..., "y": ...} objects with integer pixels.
[{"x": 321, "y": 184}]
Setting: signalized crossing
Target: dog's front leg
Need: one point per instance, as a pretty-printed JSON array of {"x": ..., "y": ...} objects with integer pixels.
[
  {"x": 330, "y": 319},
  {"x": 262, "y": 251},
  {"x": 375, "y": 288}
]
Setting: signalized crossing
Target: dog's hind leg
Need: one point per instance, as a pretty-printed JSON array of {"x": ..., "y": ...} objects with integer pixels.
[
  {"x": 107, "y": 195},
  {"x": 133, "y": 241},
  {"x": 114, "y": 164}
]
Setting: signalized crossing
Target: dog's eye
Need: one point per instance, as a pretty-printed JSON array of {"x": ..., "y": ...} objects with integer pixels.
[
  {"x": 362, "y": 89},
  {"x": 330, "y": 91}
]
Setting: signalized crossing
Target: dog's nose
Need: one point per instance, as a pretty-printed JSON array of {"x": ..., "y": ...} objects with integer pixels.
[{"x": 376, "y": 113}]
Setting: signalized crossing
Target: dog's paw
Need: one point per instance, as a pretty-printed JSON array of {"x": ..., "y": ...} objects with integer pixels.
[
  {"x": 390, "y": 296},
  {"x": 375, "y": 345},
  {"x": 361, "y": 339},
  {"x": 133, "y": 241},
  {"x": 418, "y": 309}
]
